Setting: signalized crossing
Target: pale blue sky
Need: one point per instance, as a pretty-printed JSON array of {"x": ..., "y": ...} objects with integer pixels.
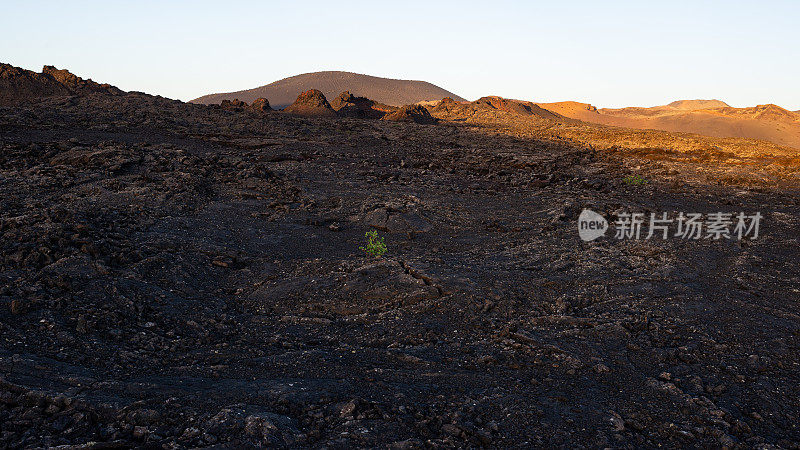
[{"x": 609, "y": 53}]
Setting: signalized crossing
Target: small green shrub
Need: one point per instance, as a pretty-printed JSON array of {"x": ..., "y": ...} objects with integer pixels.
[
  {"x": 375, "y": 245},
  {"x": 634, "y": 179}
]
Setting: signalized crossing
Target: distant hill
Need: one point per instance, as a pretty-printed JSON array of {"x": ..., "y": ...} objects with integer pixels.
[
  {"x": 575, "y": 110},
  {"x": 707, "y": 117},
  {"x": 691, "y": 105},
  {"x": 283, "y": 93}
]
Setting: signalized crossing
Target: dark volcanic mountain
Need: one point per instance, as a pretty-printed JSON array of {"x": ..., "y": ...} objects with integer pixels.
[{"x": 383, "y": 90}]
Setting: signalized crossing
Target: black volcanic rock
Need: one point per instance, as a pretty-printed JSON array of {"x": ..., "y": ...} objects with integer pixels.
[
  {"x": 514, "y": 106},
  {"x": 19, "y": 86},
  {"x": 345, "y": 104},
  {"x": 260, "y": 105},
  {"x": 174, "y": 275},
  {"x": 233, "y": 105},
  {"x": 78, "y": 85},
  {"x": 311, "y": 103},
  {"x": 411, "y": 113},
  {"x": 491, "y": 105},
  {"x": 348, "y": 105}
]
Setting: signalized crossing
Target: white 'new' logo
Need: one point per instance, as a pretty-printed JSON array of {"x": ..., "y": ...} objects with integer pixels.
[{"x": 591, "y": 225}]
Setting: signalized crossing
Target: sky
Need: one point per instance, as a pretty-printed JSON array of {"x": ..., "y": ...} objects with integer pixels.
[{"x": 608, "y": 53}]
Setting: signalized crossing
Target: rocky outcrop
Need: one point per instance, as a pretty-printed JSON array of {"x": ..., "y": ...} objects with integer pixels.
[
  {"x": 411, "y": 113},
  {"x": 491, "y": 106},
  {"x": 260, "y": 105},
  {"x": 344, "y": 100},
  {"x": 348, "y": 105},
  {"x": 311, "y": 103},
  {"x": 504, "y": 104},
  {"x": 447, "y": 104},
  {"x": 233, "y": 105},
  {"x": 514, "y": 106},
  {"x": 78, "y": 85},
  {"x": 19, "y": 86}
]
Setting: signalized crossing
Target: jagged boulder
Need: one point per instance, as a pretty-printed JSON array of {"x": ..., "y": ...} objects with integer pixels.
[
  {"x": 411, "y": 113},
  {"x": 63, "y": 76},
  {"x": 260, "y": 105},
  {"x": 311, "y": 103},
  {"x": 344, "y": 100},
  {"x": 348, "y": 105},
  {"x": 233, "y": 105}
]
